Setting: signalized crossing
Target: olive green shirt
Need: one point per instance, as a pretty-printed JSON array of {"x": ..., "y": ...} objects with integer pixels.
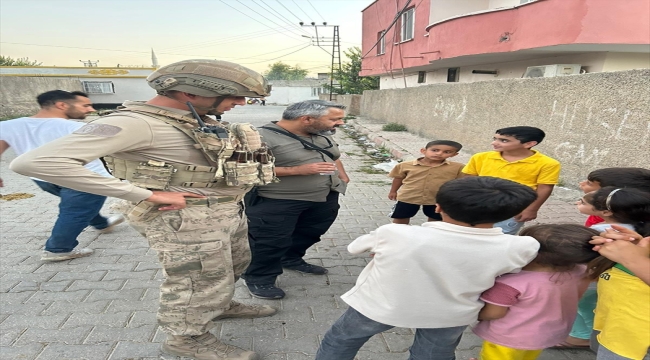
[{"x": 290, "y": 152}]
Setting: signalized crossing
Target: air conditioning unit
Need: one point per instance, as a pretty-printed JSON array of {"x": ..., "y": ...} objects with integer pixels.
[{"x": 552, "y": 70}]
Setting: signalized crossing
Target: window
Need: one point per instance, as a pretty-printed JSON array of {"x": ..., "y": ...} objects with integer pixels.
[
  {"x": 422, "y": 77},
  {"x": 317, "y": 91},
  {"x": 452, "y": 74},
  {"x": 381, "y": 46},
  {"x": 99, "y": 87},
  {"x": 407, "y": 21}
]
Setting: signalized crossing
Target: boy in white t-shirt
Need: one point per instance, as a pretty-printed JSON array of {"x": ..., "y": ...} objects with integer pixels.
[
  {"x": 77, "y": 209},
  {"x": 430, "y": 277}
]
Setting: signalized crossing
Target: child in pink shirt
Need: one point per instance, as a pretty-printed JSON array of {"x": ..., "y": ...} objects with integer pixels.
[{"x": 544, "y": 295}]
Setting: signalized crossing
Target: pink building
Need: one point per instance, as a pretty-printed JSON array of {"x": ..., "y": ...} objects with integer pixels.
[{"x": 435, "y": 41}]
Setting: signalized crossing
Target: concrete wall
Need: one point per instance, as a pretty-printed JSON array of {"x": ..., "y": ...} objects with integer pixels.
[
  {"x": 18, "y": 94},
  {"x": 352, "y": 102},
  {"x": 592, "y": 121}
]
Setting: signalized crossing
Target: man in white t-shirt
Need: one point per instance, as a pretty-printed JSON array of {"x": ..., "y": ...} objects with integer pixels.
[{"x": 77, "y": 209}]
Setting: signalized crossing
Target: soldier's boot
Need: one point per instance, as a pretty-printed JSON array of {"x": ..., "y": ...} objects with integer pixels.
[
  {"x": 243, "y": 311},
  {"x": 204, "y": 347}
]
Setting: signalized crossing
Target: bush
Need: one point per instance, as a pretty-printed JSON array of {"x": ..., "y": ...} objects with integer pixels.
[{"x": 393, "y": 127}]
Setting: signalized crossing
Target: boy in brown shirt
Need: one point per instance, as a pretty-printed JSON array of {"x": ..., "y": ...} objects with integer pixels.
[{"x": 418, "y": 181}]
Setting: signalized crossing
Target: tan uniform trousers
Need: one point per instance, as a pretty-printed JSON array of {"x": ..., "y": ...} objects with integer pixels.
[{"x": 203, "y": 249}]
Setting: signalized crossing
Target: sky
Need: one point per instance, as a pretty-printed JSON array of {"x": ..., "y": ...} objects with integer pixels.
[{"x": 253, "y": 33}]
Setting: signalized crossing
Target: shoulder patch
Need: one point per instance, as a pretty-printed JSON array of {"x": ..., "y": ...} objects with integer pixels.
[{"x": 103, "y": 130}]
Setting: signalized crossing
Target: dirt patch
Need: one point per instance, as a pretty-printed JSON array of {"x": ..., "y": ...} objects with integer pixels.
[{"x": 15, "y": 196}]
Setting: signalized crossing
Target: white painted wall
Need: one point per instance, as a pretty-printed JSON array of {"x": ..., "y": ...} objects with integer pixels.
[
  {"x": 285, "y": 95},
  {"x": 591, "y": 62},
  {"x": 626, "y": 61},
  {"x": 443, "y": 9},
  {"x": 503, "y": 3}
]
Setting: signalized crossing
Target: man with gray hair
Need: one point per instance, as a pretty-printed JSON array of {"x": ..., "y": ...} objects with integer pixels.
[{"x": 288, "y": 217}]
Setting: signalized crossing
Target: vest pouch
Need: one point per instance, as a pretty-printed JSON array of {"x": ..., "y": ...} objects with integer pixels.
[
  {"x": 152, "y": 175},
  {"x": 267, "y": 173},
  {"x": 238, "y": 174},
  {"x": 215, "y": 147}
]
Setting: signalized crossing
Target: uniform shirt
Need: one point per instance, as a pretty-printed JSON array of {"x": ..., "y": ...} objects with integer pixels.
[
  {"x": 420, "y": 183},
  {"x": 532, "y": 171},
  {"x": 139, "y": 138},
  {"x": 27, "y": 133},
  {"x": 535, "y": 300},
  {"x": 431, "y": 276},
  {"x": 623, "y": 314},
  {"x": 290, "y": 152}
]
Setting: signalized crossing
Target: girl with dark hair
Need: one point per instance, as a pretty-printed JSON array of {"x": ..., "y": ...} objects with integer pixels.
[{"x": 544, "y": 295}]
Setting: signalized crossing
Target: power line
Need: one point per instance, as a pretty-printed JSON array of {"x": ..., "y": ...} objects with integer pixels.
[
  {"x": 147, "y": 52},
  {"x": 246, "y": 36},
  {"x": 251, "y": 9},
  {"x": 280, "y": 16},
  {"x": 281, "y": 4},
  {"x": 293, "y": 52},
  {"x": 312, "y": 6},
  {"x": 303, "y": 11},
  {"x": 255, "y": 19}
]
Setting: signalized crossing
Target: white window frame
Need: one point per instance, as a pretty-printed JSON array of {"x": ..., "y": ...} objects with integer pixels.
[
  {"x": 99, "y": 87},
  {"x": 406, "y": 28},
  {"x": 381, "y": 47}
]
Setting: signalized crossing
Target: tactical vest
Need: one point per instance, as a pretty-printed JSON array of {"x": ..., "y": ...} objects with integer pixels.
[{"x": 238, "y": 156}]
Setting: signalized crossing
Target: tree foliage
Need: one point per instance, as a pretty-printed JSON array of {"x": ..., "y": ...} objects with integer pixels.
[
  {"x": 348, "y": 76},
  {"x": 282, "y": 71},
  {"x": 8, "y": 61}
]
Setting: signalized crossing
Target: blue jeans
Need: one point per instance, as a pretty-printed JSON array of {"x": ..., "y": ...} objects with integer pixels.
[
  {"x": 348, "y": 334},
  {"x": 76, "y": 211},
  {"x": 510, "y": 226}
]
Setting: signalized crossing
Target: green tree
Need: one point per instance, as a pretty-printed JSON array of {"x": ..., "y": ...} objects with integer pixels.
[
  {"x": 348, "y": 76},
  {"x": 8, "y": 61},
  {"x": 282, "y": 71}
]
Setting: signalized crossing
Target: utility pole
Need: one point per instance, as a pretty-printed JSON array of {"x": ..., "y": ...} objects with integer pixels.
[
  {"x": 323, "y": 42},
  {"x": 89, "y": 63}
]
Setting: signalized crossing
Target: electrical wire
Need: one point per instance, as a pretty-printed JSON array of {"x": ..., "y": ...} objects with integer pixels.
[
  {"x": 399, "y": 13},
  {"x": 319, "y": 14},
  {"x": 281, "y": 4},
  {"x": 255, "y": 19},
  {"x": 147, "y": 52},
  {"x": 293, "y": 52},
  {"x": 241, "y": 37},
  {"x": 280, "y": 16},
  {"x": 251, "y": 9},
  {"x": 298, "y": 6}
]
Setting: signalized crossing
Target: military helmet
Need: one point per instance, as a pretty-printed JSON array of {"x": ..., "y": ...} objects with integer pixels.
[{"x": 209, "y": 78}]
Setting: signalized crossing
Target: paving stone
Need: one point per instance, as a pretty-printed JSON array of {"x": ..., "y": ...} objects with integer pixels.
[
  {"x": 26, "y": 352},
  {"x": 62, "y": 307},
  {"x": 65, "y": 351},
  {"x": 101, "y": 334},
  {"x": 115, "y": 319},
  {"x": 59, "y": 301},
  {"x": 135, "y": 350},
  {"x": 68, "y": 336}
]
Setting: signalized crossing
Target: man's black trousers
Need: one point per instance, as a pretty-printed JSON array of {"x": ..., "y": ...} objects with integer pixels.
[{"x": 281, "y": 231}]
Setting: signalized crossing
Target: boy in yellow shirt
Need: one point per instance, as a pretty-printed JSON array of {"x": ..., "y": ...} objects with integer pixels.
[{"x": 514, "y": 159}]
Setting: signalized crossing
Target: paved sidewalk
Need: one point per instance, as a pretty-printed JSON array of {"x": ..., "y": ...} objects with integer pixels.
[{"x": 104, "y": 306}]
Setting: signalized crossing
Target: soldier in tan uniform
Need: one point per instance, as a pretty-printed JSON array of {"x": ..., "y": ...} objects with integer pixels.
[{"x": 186, "y": 176}]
